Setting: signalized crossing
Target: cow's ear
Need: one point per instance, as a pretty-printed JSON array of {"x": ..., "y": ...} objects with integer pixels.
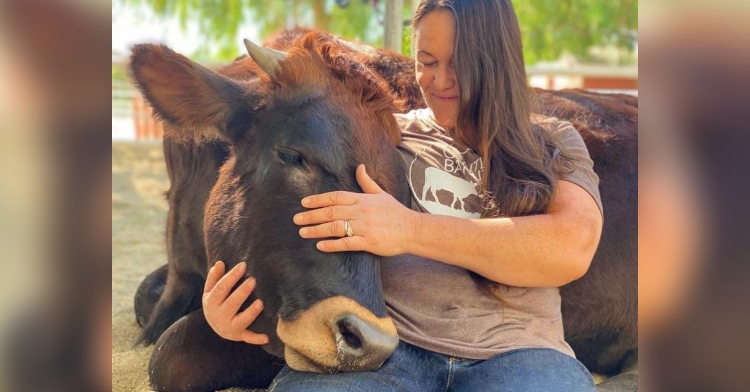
[{"x": 197, "y": 102}]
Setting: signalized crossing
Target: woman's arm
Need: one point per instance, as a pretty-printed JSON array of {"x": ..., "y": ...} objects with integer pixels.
[{"x": 546, "y": 250}]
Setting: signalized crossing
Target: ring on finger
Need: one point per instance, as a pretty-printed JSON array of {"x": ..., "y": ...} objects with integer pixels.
[{"x": 348, "y": 229}]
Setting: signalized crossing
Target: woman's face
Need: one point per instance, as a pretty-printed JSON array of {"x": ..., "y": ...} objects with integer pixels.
[{"x": 434, "y": 39}]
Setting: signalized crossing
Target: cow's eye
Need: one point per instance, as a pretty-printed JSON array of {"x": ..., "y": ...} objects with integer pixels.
[{"x": 290, "y": 157}]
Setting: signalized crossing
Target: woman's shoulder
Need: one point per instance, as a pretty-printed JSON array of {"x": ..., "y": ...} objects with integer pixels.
[
  {"x": 567, "y": 138},
  {"x": 552, "y": 123},
  {"x": 556, "y": 128},
  {"x": 540, "y": 119}
]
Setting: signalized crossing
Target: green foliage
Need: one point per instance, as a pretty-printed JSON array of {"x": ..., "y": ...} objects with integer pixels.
[
  {"x": 357, "y": 21},
  {"x": 406, "y": 43},
  {"x": 549, "y": 27},
  {"x": 220, "y": 20}
]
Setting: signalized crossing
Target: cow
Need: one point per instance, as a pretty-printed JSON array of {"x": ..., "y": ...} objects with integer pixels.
[
  {"x": 301, "y": 127},
  {"x": 199, "y": 160},
  {"x": 193, "y": 165}
]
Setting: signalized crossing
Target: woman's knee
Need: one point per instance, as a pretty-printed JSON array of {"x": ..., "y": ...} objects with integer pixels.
[
  {"x": 527, "y": 370},
  {"x": 555, "y": 371}
]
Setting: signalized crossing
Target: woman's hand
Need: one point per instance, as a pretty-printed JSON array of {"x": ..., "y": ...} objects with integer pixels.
[
  {"x": 380, "y": 224},
  {"x": 221, "y": 307}
]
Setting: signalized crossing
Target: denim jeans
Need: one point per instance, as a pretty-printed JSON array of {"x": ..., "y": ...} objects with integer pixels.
[{"x": 414, "y": 369}]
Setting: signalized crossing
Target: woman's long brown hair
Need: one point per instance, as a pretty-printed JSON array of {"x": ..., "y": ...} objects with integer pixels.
[{"x": 520, "y": 161}]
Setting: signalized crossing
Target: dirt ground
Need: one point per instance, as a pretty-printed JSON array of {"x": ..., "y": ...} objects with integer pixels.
[{"x": 139, "y": 212}]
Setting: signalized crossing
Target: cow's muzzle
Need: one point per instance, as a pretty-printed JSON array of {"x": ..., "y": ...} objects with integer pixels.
[{"x": 337, "y": 334}]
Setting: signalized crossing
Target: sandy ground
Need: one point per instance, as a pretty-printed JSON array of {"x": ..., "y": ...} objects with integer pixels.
[{"x": 139, "y": 213}]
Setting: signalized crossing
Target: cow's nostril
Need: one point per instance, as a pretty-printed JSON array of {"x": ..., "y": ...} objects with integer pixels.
[
  {"x": 362, "y": 345},
  {"x": 350, "y": 337}
]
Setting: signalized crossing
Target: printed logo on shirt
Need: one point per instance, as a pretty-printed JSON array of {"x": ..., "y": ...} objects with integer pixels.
[{"x": 446, "y": 182}]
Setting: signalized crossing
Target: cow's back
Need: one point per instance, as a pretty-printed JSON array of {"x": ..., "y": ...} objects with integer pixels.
[{"x": 600, "y": 310}]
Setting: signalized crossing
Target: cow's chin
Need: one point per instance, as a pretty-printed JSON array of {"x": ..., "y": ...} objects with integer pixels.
[{"x": 299, "y": 362}]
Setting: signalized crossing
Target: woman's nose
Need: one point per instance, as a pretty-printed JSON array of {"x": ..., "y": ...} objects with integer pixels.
[{"x": 445, "y": 78}]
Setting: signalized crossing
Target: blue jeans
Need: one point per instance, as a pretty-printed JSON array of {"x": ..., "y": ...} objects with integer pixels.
[{"x": 411, "y": 368}]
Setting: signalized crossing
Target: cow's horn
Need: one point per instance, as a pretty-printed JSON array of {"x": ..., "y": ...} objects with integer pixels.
[{"x": 267, "y": 59}]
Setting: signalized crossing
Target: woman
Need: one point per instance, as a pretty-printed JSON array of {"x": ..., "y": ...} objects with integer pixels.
[{"x": 505, "y": 209}]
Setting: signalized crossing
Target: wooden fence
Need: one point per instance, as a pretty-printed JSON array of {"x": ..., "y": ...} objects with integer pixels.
[
  {"x": 146, "y": 125},
  {"x": 605, "y": 79},
  {"x": 128, "y": 106}
]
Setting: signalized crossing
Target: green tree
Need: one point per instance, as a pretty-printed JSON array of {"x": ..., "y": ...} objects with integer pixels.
[
  {"x": 220, "y": 20},
  {"x": 549, "y": 27}
]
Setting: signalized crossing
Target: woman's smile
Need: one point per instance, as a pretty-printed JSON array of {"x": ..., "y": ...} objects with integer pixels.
[{"x": 448, "y": 98}]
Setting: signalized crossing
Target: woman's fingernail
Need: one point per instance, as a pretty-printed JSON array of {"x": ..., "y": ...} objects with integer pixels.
[
  {"x": 299, "y": 218},
  {"x": 303, "y": 231},
  {"x": 242, "y": 266},
  {"x": 321, "y": 246},
  {"x": 259, "y": 304},
  {"x": 305, "y": 201}
]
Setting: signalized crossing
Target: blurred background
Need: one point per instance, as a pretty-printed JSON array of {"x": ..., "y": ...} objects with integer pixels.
[{"x": 56, "y": 312}]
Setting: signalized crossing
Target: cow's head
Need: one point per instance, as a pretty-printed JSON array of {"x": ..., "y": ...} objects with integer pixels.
[{"x": 300, "y": 128}]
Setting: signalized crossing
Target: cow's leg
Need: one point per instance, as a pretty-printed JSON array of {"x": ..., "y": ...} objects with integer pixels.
[
  {"x": 148, "y": 294},
  {"x": 190, "y": 356},
  {"x": 181, "y": 296}
]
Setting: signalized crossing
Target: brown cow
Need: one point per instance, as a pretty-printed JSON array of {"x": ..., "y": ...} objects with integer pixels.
[
  {"x": 301, "y": 127},
  {"x": 605, "y": 341}
]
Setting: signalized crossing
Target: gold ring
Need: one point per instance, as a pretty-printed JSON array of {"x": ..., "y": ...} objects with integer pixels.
[{"x": 348, "y": 229}]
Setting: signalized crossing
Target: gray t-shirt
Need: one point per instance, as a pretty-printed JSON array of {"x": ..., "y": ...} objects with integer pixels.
[{"x": 440, "y": 307}]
